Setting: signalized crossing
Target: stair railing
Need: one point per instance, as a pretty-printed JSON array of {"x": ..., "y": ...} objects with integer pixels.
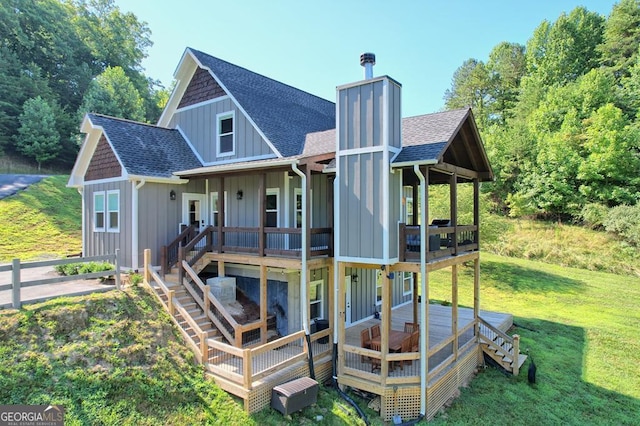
[
  {"x": 169, "y": 253},
  {"x": 496, "y": 339}
]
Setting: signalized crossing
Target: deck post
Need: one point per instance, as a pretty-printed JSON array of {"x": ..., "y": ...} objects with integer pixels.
[
  {"x": 263, "y": 304},
  {"x": 163, "y": 260},
  {"x": 386, "y": 323},
  {"x": 247, "y": 363},
  {"x": 516, "y": 354},
  {"x": 476, "y": 294},
  {"x": 204, "y": 348},
  {"x": 147, "y": 263},
  {"x": 170, "y": 302},
  {"x": 342, "y": 315},
  {"x": 454, "y": 309},
  {"x": 453, "y": 200},
  {"x": 117, "y": 262},
  {"x": 262, "y": 214},
  {"x": 180, "y": 267},
  {"x": 205, "y": 299},
  {"x": 15, "y": 280}
]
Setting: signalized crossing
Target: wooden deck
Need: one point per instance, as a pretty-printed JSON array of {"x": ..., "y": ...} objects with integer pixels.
[{"x": 439, "y": 322}]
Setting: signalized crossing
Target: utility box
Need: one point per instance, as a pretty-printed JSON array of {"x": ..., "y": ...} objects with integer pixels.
[
  {"x": 223, "y": 288},
  {"x": 294, "y": 395}
]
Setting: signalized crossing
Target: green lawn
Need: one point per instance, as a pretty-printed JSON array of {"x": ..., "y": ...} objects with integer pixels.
[{"x": 582, "y": 330}]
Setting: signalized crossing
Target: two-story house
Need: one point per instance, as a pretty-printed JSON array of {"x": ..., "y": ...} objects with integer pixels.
[{"x": 281, "y": 230}]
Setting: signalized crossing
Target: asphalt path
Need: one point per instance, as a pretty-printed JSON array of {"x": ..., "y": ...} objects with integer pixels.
[{"x": 10, "y": 184}]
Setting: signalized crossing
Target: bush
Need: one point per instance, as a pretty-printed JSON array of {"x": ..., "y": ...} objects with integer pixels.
[
  {"x": 83, "y": 268},
  {"x": 593, "y": 215},
  {"x": 624, "y": 221}
]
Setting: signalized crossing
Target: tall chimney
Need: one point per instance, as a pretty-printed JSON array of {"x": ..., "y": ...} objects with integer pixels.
[{"x": 368, "y": 60}]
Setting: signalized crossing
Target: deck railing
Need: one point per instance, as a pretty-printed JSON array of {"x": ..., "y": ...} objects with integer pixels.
[
  {"x": 443, "y": 241},
  {"x": 169, "y": 253}
]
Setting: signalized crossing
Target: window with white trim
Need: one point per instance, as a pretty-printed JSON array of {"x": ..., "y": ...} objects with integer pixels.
[
  {"x": 215, "y": 208},
  {"x": 225, "y": 135},
  {"x": 272, "y": 208},
  {"x": 378, "y": 287},
  {"x": 316, "y": 299},
  {"x": 408, "y": 219},
  {"x": 299, "y": 208},
  {"x": 98, "y": 211},
  {"x": 113, "y": 211},
  {"x": 407, "y": 283}
]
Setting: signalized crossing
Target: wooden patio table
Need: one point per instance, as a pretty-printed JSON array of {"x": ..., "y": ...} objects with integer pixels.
[{"x": 395, "y": 340}]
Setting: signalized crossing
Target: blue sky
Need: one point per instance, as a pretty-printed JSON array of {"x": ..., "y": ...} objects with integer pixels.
[{"x": 315, "y": 45}]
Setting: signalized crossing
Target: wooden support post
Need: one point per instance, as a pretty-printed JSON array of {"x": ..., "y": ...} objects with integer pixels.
[
  {"x": 385, "y": 327},
  {"x": 117, "y": 262},
  {"x": 516, "y": 354},
  {"x": 330, "y": 212},
  {"x": 221, "y": 217},
  {"x": 476, "y": 294},
  {"x": 147, "y": 264},
  {"x": 476, "y": 210},
  {"x": 15, "y": 281},
  {"x": 170, "y": 302},
  {"x": 263, "y": 304},
  {"x": 204, "y": 348},
  {"x": 342, "y": 317},
  {"x": 454, "y": 309},
  {"x": 221, "y": 272},
  {"x": 402, "y": 242},
  {"x": 330, "y": 287},
  {"x": 414, "y": 278},
  {"x": 247, "y": 364},
  {"x": 205, "y": 299},
  {"x": 307, "y": 212},
  {"x": 180, "y": 267},
  {"x": 163, "y": 261},
  {"x": 453, "y": 200},
  {"x": 263, "y": 213}
]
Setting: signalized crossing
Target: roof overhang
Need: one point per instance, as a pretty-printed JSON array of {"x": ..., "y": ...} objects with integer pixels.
[
  {"x": 238, "y": 167},
  {"x": 414, "y": 163},
  {"x": 156, "y": 179}
]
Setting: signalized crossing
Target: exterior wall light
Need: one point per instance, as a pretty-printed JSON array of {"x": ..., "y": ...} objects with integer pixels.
[{"x": 172, "y": 195}]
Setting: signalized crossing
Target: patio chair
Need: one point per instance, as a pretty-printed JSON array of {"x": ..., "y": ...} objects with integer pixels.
[
  {"x": 376, "y": 363},
  {"x": 375, "y": 331},
  {"x": 410, "y": 327},
  {"x": 365, "y": 342},
  {"x": 406, "y": 347},
  {"x": 415, "y": 341}
]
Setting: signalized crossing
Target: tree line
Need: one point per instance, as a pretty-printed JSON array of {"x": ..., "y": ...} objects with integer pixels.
[
  {"x": 61, "y": 59},
  {"x": 560, "y": 117}
]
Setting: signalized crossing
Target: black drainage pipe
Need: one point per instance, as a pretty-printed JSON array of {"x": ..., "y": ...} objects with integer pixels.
[
  {"x": 344, "y": 396},
  {"x": 312, "y": 371}
]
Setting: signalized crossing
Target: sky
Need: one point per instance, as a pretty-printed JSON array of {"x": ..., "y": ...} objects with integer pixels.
[{"x": 316, "y": 45}]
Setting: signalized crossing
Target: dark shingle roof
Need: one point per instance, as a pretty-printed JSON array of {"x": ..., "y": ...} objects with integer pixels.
[
  {"x": 147, "y": 150},
  {"x": 283, "y": 113},
  {"x": 424, "y": 137}
]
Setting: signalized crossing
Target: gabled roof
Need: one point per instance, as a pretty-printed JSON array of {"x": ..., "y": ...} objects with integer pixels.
[
  {"x": 144, "y": 149},
  {"x": 284, "y": 114}
]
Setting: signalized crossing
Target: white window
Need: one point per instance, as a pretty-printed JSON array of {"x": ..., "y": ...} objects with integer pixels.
[
  {"x": 378, "y": 287},
  {"x": 98, "y": 211},
  {"x": 226, "y": 143},
  {"x": 409, "y": 211},
  {"x": 272, "y": 208},
  {"x": 316, "y": 299},
  {"x": 299, "y": 208},
  {"x": 215, "y": 208},
  {"x": 113, "y": 211},
  {"x": 407, "y": 283}
]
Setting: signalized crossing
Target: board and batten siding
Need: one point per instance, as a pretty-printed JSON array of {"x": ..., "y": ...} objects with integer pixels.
[
  {"x": 199, "y": 125},
  {"x": 369, "y": 198},
  {"x": 104, "y": 242},
  {"x": 363, "y": 293},
  {"x": 158, "y": 217}
]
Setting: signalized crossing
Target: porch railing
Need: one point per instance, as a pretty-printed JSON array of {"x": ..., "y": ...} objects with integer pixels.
[{"x": 443, "y": 241}]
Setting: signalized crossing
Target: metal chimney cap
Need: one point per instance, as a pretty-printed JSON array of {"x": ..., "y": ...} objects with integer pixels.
[{"x": 367, "y": 58}]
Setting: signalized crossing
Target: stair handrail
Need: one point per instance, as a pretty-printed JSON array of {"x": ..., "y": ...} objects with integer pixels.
[
  {"x": 212, "y": 299},
  {"x": 184, "y": 237},
  {"x": 499, "y": 333},
  {"x": 194, "y": 241}
]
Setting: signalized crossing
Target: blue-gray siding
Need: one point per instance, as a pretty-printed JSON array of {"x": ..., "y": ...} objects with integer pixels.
[{"x": 199, "y": 125}]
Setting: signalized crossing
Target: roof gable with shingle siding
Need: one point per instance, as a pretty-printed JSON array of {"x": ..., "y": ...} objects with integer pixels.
[
  {"x": 282, "y": 113},
  {"x": 146, "y": 150},
  {"x": 202, "y": 87},
  {"x": 104, "y": 164}
]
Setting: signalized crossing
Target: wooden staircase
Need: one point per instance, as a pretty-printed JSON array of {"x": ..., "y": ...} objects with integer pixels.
[{"x": 501, "y": 348}]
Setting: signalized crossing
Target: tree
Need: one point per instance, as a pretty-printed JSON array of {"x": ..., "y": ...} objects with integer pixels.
[
  {"x": 37, "y": 136},
  {"x": 506, "y": 67},
  {"x": 621, "y": 37},
  {"x": 470, "y": 87},
  {"x": 112, "y": 93}
]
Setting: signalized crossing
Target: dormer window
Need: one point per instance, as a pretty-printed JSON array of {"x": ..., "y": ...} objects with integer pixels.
[{"x": 226, "y": 135}]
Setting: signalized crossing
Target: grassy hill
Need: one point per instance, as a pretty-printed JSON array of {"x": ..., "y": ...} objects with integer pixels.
[{"x": 114, "y": 357}]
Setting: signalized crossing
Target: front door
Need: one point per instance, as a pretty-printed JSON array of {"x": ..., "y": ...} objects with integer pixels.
[{"x": 194, "y": 210}]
